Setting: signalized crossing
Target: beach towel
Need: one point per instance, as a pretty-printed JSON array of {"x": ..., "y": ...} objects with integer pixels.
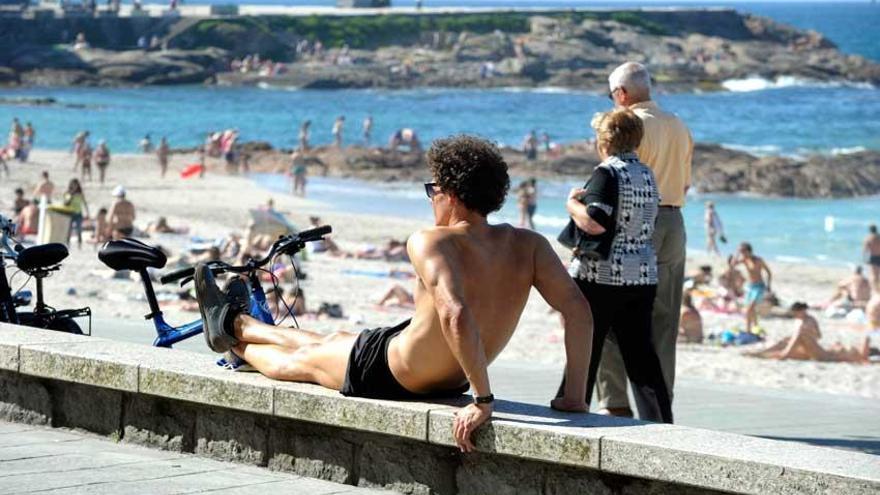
[{"x": 191, "y": 170}]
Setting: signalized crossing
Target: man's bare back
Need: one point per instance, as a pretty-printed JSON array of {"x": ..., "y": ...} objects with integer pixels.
[
  {"x": 497, "y": 269},
  {"x": 872, "y": 244}
]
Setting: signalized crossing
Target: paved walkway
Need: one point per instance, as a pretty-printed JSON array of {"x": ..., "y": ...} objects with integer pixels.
[
  {"x": 37, "y": 459},
  {"x": 820, "y": 419}
]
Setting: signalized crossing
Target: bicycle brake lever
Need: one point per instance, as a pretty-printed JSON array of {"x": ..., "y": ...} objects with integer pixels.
[{"x": 185, "y": 281}]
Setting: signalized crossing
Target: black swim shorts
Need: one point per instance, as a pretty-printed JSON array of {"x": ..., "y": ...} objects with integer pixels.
[
  {"x": 874, "y": 260},
  {"x": 368, "y": 374}
]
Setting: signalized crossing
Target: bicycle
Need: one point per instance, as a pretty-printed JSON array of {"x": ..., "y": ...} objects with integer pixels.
[
  {"x": 37, "y": 262},
  {"x": 131, "y": 254}
]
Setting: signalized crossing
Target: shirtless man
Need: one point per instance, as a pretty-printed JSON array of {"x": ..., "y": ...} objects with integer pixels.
[
  {"x": 45, "y": 187},
  {"x": 853, "y": 291},
  {"x": 804, "y": 344},
  {"x": 473, "y": 281},
  {"x": 756, "y": 288},
  {"x": 871, "y": 249},
  {"x": 120, "y": 218}
]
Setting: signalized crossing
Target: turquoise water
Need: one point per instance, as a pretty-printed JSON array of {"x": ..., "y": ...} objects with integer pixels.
[
  {"x": 787, "y": 117},
  {"x": 783, "y": 120}
]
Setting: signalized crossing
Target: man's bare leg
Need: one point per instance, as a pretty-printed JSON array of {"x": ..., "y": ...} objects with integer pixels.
[
  {"x": 252, "y": 331},
  {"x": 751, "y": 317},
  {"x": 322, "y": 363},
  {"x": 770, "y": 351}
]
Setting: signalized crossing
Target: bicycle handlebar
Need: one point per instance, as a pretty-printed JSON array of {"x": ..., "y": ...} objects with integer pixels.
[{"x": 290, "y": 244}]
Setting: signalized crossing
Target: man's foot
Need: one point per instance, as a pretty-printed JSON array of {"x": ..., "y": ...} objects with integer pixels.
[
  {"x": 620, "y": 412},
  {"x": 219, "y": 308}
]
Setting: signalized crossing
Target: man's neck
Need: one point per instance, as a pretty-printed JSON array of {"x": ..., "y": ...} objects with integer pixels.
[{"x": 466, "y": 218}]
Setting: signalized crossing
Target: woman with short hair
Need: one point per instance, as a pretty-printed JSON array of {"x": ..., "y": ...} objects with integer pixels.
[{"x": 621, "y": 200}]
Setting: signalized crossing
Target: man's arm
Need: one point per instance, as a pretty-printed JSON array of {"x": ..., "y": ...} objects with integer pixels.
[
  {"x": 437, "y": 264},
  {"x": 688, "y": 161},
  {"x": 561, "y": 293}
]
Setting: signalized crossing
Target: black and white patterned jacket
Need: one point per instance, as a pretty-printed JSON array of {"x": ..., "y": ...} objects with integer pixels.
[{"x": 632, "y": 260}]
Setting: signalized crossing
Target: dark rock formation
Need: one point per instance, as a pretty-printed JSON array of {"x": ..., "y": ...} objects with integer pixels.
[
  {"x": 686, "y": 49},
  {"x": 716, "y": 169}
]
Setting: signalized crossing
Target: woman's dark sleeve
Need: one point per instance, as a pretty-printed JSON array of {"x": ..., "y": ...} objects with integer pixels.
[{"x": 599, "y": 198}]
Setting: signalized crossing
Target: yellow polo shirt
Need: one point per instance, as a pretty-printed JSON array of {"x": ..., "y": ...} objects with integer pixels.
[{"x": 667, "y": 148}]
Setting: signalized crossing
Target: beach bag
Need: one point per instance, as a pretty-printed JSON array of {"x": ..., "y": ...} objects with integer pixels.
[{"x": 588, "y": 246}]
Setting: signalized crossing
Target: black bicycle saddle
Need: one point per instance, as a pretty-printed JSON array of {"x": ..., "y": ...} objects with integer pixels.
[
  {"x": 42, "y": 256},
  {"x": 130, "y": 254}
]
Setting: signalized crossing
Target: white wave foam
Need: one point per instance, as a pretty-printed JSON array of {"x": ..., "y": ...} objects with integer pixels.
[
  {"x": 757, "y": 83},
  {"x": 848, "y": 151},
  {"x": 760, "y": 150}
]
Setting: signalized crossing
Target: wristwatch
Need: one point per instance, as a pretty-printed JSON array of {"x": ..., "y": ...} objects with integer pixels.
[{"x": 486, "y": 399}]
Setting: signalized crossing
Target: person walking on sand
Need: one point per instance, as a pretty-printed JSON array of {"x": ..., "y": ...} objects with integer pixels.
[
  {"x": 304, "y": 134},
  {"x": 667, "y": 149},
  {"x": 45, "y": 187},
  {"x": 714, "y": 228},
  {"x": 80, "y": 142},
  {"x": 368, "y": 130},
  {"x": 473, "y": 282},
  {"x": 85, "y": 162},
  {"x": 338, "y": 126},
  {"x": 102, "y": 160},
  {"x": 120, "y": 217},
  {"x": 75, "y": 202},
  {"x": 871, "y": 250},
  {"x": 757, "y": 288},
  {"x": 298, "y": 171},
  {"x": 162, "y": 152}
]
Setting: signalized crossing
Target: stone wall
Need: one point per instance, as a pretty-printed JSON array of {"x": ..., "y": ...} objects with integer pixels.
[{"x": 307, "y": 449}]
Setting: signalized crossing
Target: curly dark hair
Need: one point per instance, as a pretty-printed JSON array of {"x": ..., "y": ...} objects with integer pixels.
[{"x": 472, "y": 169}]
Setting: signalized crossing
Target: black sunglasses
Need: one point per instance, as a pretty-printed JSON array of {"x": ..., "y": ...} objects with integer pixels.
[
  {"x": 611, "y": 93},
  {"x": 429, "y": 189}
]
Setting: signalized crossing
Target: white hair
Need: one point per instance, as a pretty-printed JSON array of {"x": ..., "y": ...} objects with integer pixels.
[{"x": 634, "y": 78}]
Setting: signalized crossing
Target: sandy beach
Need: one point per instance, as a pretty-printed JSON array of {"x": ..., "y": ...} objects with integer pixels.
[{"x": 218, "y": 204}]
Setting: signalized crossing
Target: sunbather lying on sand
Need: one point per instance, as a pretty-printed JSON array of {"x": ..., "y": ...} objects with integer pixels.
[{"x": 804, "y": 344}]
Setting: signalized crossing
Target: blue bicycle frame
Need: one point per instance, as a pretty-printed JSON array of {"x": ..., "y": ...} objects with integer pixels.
[{"x": 168, "y": 335}]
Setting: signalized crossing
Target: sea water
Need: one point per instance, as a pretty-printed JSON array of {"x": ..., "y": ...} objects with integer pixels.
[{"x": 784, "y": 116}]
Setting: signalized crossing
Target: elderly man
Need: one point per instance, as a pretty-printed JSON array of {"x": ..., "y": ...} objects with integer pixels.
[{"x": 667, "y": 148}]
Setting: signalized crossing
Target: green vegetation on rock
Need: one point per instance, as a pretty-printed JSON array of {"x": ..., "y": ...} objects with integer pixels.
[{"x": 381, "y": 30}]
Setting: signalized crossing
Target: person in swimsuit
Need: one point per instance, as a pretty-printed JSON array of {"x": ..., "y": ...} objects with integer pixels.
[
  {"x": 804, "y": 343},
  {"x": 871, "y": 248},
  {"x": 756, "y": 288},
  {"x": 473, "y": 281}
]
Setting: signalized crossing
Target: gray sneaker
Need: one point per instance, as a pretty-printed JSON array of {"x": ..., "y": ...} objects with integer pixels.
[{"x": 218, "y": 308}]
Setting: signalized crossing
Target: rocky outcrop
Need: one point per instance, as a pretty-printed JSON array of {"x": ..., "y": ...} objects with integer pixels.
[
  {"x": 579, "y": 52},
  {"x": 686, "y": 50},
  {"x": 716, "y": 169},
  {"x": 56, "y": 66}
]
